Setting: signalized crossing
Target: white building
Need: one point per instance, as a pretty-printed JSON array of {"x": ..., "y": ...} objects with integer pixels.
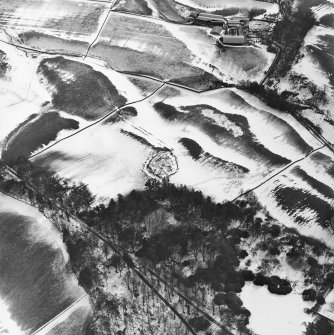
[{"x": 233, "y": 39}]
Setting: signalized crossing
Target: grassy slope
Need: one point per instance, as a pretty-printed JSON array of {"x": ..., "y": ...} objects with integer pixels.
[
  {"x": 88, "y": 94},
  {"x": 35, "y": 134}
]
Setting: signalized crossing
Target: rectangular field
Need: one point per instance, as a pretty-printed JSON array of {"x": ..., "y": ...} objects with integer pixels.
[{"x": 63, "y": 18}]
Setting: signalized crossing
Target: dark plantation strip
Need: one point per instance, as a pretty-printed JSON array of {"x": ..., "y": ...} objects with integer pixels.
[
  {"x": 277, "y": 174},
  {"x": 293, "y": 199},
  {"x": 323, "y": 189}
]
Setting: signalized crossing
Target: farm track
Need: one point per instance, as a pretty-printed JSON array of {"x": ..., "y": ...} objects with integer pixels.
[
  {"x": 101, "y": 28},
  {"x": 272, "y": 67},
  {"x": 312, "y": 131}
]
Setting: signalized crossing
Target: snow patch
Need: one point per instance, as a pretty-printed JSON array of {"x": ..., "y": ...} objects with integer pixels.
[
  {"x": 275, "y": 314},
  {"x": 7, "y": 325}
]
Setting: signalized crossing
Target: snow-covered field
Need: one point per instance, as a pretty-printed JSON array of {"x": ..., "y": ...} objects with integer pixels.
[
  {"x": 275, "y": 314},
  {"x": 240, "y": 144},
  {"x": 69, "y": 19}
]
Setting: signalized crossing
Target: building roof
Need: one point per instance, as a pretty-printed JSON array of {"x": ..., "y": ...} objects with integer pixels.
[{"x": 229, "y": 39}]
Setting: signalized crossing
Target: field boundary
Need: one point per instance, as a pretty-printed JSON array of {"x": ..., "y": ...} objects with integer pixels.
[
  {"x": 60, "y": 314},
  {"x": 97, "y": 121},
  {"x": 101, "y": 28}
]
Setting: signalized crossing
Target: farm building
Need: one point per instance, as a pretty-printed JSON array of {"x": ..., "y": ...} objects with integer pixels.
[
  {"x": 257, "y": 25},
  {"x": 207, "y": 19},
  {"x": 237, "y": 21},
  {"x": 233, "y": 39},
  {"x": 234, "y": 31}
]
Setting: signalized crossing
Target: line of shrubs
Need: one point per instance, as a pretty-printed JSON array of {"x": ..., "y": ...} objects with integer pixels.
[
  {"x": 275, "y": 284},
  {"x": 312, "y": 295}
]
